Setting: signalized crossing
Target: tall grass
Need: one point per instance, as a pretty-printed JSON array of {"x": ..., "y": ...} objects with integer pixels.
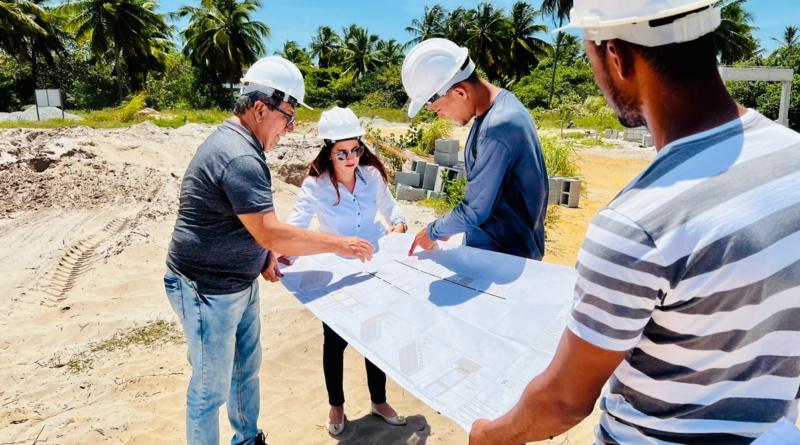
[
  {"x": 438, "y": 129},
  {"x": 560, "y": 157}
]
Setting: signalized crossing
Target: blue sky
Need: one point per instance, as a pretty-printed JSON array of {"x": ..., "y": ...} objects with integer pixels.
[{"x": 298, "y": 20}]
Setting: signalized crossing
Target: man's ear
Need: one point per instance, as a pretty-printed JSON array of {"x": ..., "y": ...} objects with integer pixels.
[
  {"x": 620, "y": 59},
  {"x": 460, "y": 90},
  {"x": 258, "y": 108}
]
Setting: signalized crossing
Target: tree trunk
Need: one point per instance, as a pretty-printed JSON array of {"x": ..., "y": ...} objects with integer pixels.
[
  {"x": 555, "y": 65},
  {"x": 230, "y": 87},
  {"x": 119, "y": 73}
]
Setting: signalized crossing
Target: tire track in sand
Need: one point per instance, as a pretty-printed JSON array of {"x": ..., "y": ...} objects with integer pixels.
[{"x": 80, "y": 257}]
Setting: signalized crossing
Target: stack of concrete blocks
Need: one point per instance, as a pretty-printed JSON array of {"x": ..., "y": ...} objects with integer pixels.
[
  {"x": 446, "y": 152},
  {"x": 639, "y": 134},
  {"x": 564, "y": 191},
  {"x": 554, "y": 196},
  {"x": 426, "y": 180}
]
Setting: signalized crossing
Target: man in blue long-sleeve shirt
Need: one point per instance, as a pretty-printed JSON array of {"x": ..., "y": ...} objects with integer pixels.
[{"x": 506, "y": 198}]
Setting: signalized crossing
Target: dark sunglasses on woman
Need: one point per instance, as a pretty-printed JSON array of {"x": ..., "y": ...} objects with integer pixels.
[{"x": 344, "y": 154}]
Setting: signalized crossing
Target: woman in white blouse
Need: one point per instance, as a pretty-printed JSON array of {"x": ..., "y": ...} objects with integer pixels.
[{"x": 346, "y": 188}]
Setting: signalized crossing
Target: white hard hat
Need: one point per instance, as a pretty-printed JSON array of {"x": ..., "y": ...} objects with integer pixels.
[
  {"x": 629, "y": 20},
  {"x": 431, "y": 68},
  {"x": 338, "y": 124},
  {"x": 276, "y": 76}
]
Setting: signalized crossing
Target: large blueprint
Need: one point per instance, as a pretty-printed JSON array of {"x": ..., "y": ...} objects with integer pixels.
[{"x": 462, "y": 329}]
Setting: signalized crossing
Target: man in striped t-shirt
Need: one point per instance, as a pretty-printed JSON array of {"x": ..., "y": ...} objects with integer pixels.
[{"x": 688, "y": 291}]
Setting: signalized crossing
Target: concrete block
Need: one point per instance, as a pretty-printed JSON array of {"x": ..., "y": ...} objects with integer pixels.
[
  {"x": 461, "y": 156},
  {"x": 435, "y": 195},
  {"x": 614, "y": 134},
  {"x": 445, "y": 174},
  {"x": 410, "y": 179},
  {"x": 570, "y": 192},
  {"x": 635, "y": 134},
  {"x": 607, "y": 134},
  {"x": 446, "y": 159},
  {"x": 406, "y": 193},
  {"x": 429, "y": 180},
  {"x": 647, "y": 140},
  {"x": 554, "y": 184},
  {"x": 419, "y": 167},
  {"x": 446, "y": 146}
]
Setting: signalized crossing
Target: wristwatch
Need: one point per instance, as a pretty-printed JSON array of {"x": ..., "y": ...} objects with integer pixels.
[{"x": 405, "y": 226}]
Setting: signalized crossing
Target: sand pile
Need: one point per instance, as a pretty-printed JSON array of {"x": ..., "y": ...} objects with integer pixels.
[
  {"x": 45, "y": 113},
  {"x": 91, "y": 350}
]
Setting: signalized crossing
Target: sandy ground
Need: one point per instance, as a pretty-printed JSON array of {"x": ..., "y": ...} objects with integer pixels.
[{"x": 85, "y": 220}]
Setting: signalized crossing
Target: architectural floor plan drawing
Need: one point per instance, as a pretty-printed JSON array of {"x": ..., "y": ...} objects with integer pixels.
[{"x": 462, "y": 329}]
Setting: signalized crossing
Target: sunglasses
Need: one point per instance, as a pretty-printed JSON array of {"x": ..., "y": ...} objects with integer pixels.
[
  {"x": 437, "y": 96},
  {"x": 289, "y": 117},
  {"x": 342, "y": 155}
]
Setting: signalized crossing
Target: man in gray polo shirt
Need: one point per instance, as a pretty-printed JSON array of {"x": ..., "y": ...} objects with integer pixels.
[{"x": 223, "y": 239}]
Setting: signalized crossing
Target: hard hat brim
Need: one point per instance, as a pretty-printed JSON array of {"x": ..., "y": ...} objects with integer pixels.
[
  {"x": 581, "y": 23},
  {"x": 413, "y": 108}
]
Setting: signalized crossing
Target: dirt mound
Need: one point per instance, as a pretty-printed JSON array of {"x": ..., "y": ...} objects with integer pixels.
[
  {"x": 289, "y": 161},
  {"x": 75, "y": 182},
  {"x": 149, "y": 113}
]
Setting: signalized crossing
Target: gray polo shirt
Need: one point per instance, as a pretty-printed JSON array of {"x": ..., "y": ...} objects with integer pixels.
[{"x": 228, "y": 176}]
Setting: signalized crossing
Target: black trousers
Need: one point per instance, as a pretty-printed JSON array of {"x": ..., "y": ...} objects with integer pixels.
[{"x": 333, "y": 366}]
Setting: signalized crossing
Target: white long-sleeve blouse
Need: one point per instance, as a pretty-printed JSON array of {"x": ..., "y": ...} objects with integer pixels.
[{"x": 357, "y": 212}]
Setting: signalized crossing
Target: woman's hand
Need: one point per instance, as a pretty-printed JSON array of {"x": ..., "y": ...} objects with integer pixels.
[
  {"x": 271, "y": 271},
  {"x": 399, "y": 228}
]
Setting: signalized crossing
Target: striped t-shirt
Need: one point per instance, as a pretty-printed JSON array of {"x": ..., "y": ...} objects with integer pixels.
[{"x": 695, "y": 268}]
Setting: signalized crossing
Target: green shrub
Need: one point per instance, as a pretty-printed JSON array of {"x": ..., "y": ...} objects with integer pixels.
[
  {"x": 559, "y": 157},
  {"x": 129, "y": 108},
  {"x": 438, "y": 129}
]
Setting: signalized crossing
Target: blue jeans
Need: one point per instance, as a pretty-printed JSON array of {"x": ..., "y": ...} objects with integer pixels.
[{"x": 224, "y": 348}]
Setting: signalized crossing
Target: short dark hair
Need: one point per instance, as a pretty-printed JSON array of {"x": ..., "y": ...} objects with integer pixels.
[
  {"x": 248, "y": 100},
  {"x": 695, "y": 60}
]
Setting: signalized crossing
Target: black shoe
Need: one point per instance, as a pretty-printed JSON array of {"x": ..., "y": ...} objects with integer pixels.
[{"x": 261, "y": 439}]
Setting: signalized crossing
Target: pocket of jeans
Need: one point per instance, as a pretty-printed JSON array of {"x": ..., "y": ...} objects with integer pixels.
[{"x": 173, "y": 286}]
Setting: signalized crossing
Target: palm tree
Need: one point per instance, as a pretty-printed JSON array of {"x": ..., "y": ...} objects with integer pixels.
[
  {"x": 558, "y": 10},
  {"x": 457, "y": 25},
  {"x": 116, "y": 26},
  {"x": 160, "y": 48},
  {"x": 325, "y": 45},
  {"x": 525, "y": 50},
  {"x": 790, "y": 41},
  {"x": 359, "y": 51},
  {"x": 27, "y": 31},
  {"x": 294, "y": 53},
  {"x": 390, "y": 52},
  {"x": 734, "y": 36},
  {"x": 431, "y": 25},
  {"x": 488, "y": 35},
  {"x": 221, "y": 37}
]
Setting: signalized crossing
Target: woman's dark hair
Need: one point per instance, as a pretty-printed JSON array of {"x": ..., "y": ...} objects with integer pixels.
[{"x": 322, "y": 163}]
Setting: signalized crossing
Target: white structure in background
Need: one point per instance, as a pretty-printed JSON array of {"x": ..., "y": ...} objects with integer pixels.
[
  {"x": 759, "y": 74},
  {"x": 48, "y": 98}
]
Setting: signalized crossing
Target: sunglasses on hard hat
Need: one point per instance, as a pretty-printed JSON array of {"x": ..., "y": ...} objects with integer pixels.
[
  {"x": 342, "y": 155},
  {"x": 276, "y": 94},
  {"x": 438, "y": 96}
]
